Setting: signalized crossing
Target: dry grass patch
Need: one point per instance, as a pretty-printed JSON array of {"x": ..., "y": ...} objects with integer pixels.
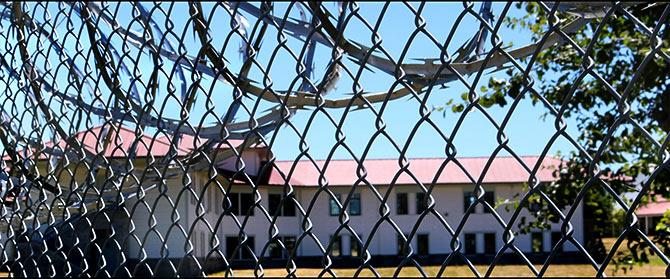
[
  {"x": 571, "y": 270},
  {"x": 655, "y": 268}
]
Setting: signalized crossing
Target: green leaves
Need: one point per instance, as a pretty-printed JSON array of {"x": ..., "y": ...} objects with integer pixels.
[{"x": 615, "y": 57}]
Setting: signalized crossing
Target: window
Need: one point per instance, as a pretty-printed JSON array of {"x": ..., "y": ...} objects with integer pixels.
[
  {"x": 354, "y": 207},
  {"x": 240, "y": 203},
  {"x": 537, "y": 242},
  {"x": 234, "y": 203},
  {"x": 490, "y": 198},
  {"x": 643, "y": 224},
  {"x": 470, "y": 243},
  {"x": 555, "y": 238},
  {"x": 422, "y": 244},
  {"x": 336, "y": 249},
  {"x": 247, "y": 204},
  {"x": 355, "y": 247},
  {"x": 401, "y": 204},
  {"x": 401, "y": 245},
  {"x": 334, "y": 208},
  {"x": 421, "y": 203},
  {"x": 355, "y": 204},
  {"x": 276, "y": 252},
  {"x": 287, "y": 209},
  {"x": 232, "y": 242},
  {"x": 468, "y": 199},
  {"x": 489, "y": 243}
]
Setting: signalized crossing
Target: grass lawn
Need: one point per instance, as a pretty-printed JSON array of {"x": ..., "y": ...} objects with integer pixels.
[{"x": 656, "y": 268}]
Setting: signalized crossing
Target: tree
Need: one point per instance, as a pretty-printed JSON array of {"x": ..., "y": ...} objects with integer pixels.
[{"x": 620, "y": 99}]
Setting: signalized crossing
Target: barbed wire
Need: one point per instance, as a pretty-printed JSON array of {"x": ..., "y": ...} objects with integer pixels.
[{"x": 136, "y": 68}]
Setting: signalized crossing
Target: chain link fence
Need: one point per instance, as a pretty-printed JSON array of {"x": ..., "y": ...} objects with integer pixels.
[{"x": 151, "y": 138}]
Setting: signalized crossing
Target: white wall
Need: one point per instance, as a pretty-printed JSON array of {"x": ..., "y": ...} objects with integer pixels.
[{"x": 448, "y": 198}]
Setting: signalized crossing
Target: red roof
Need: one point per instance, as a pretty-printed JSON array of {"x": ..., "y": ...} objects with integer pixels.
[
  {"x": 121, "y": 142},
  {"x": 383, "y": 171},
  {"x": 657, "y": 208}
]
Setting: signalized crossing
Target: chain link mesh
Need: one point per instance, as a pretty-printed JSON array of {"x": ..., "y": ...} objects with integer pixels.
[{"x": 168, "y": 93}]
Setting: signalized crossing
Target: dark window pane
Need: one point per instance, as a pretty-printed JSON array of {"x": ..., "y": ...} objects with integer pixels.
[
  {"x": 231, "y": 245},
  {"x": 273, "y": 204},
  {"x": 248, "y": 248},
  {"x": 289, "y": 243},
  {"x": 489, "y": 243},
  {"x": 234, "y": 203},
  {"x": 355, "y": 204},
  {"x": 336, "y": 250},
  {"x": 489, "y": 197},
  {"x": 421, "y": 203},
  {"x": 401, "y": 204},
  {"x": 422, "y": 244},
  {"x": 468, "y": 199},
  {"x": 275, "y": 250},
  {"x": 555, "y": 238},
  {"x": 536, "y": 242},
  {"x": 401, "y": 246},
  {"x": 470, "y": 243},
  {"x": 334, "y": 208},
  {"x": 246, "y": 203},
  {"x": 289, "y": 207}
]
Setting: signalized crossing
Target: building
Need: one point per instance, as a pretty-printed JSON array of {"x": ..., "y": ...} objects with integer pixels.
[
  {"x": 153, "y": 222},
  {"x": 650, "y": 214}
]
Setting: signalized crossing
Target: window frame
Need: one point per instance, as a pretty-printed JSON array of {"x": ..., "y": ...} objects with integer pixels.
[
  {"x": 421, "y": 201},
  {"x": 283, "y": 208},
  {"x": 532, "y": 242},
  {"x": 466, "y": 243},
  {"x": 405, "y": 201},
  {"x": 284, "y": 253},
  {"x": 358, "y": 247},
  {"x": 236, "y": 207},
  {"x": 494, "y": 248},
  {"x": 400, "y": 245},
  {"x": 333, "y": 208},
  {"x": 243, "y": 211},
  {"x": 469, "y": 198},
  {"x": 490, "y": 198},
  {"x": 355, "y": 197},
  {"x": 336, "y": 241},
  {"x": 419, "y": 244},
  {"x": 244, "y": 250}
]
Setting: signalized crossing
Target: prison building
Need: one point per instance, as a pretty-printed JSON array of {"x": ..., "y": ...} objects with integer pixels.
[{"x": 183, "y": 214}]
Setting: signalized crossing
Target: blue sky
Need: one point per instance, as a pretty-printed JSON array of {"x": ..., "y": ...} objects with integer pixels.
[{"x": 528, "y": 134}]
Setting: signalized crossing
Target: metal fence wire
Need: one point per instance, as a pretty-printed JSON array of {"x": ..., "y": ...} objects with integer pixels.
[{"x": 143, "y": 138}]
